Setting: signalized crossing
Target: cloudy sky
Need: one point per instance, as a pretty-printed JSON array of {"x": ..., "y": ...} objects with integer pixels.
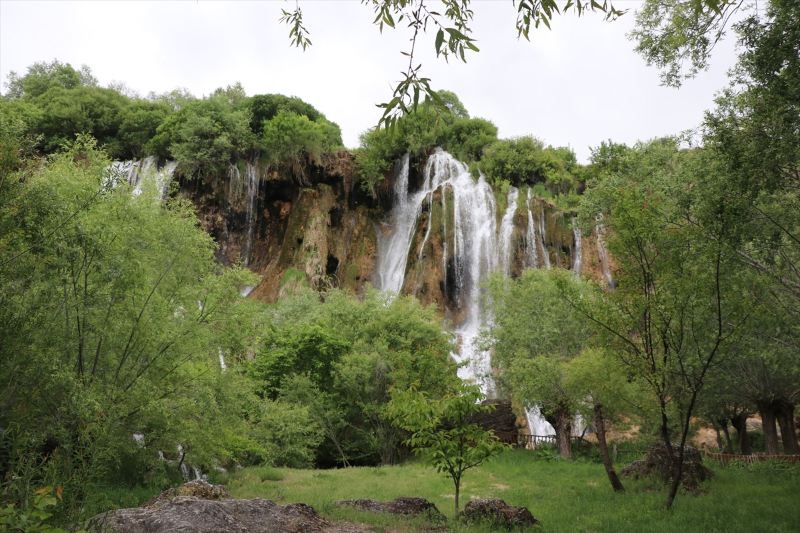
[{"x": 577, "y": 84}]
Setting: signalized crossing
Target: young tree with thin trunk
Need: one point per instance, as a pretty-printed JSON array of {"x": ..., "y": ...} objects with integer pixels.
[
  {"x": 441, "y": 431},
  {"x": 607, "y": 393}
]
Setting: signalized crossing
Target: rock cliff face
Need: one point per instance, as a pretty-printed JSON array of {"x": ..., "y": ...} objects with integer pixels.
[
  {"x": 323, "y": 235},
  {"x": 334, "y": 234}
]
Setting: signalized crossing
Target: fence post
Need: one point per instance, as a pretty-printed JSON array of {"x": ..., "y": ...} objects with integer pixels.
[
  {"x": 705, "y": 449},
  {"x": 614, "y": 448}
]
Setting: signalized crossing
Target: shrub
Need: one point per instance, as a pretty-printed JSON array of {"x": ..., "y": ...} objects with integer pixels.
[
  {"x": 291, "y": 140},
  {"x": 204, "y": 135}
]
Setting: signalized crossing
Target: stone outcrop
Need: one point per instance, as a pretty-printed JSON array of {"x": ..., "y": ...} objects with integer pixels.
[
  {"x": 501, "y": 418},
  {"x": 659, "y": 465},
  {"x": 496, "y": 510},
  {"x": 197, "y": 488},
  {"x": 399, "y": 506},
  {"x": 200, "y": 507},
  {"x": 324, "y": 232}
]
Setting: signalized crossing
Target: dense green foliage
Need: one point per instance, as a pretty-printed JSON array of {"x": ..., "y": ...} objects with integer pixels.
[
  {"x": 55, "y": 102},
  {"x": 128, "y": 354},
  {"x": 115, "y": 320},
  {"x": 341, "y": 358},
  {"x": 473, "y": 140}
]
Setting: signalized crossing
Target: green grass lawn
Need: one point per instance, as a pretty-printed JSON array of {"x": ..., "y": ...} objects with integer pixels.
[{"x": 566, "y": 496}]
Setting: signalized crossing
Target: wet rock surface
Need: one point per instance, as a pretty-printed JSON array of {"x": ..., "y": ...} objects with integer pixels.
[
  {"x": 659, "y": 465},
  {"x": 204, "y": 508},
  {"x": 400, "y": 506},
  {"x": 496, "y": 510},
  {"x": 501, "y": 418}
]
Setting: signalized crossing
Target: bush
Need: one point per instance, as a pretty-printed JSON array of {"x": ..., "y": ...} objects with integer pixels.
[
  {"x": 138, "y": 124},
  {"x": 288, "y": 435},
  {"x": 526, "y": 159},
  {"x": 63, "y": 113},
  {"x": 204, "y": 135},
  {"x": 291, "y": 140}
]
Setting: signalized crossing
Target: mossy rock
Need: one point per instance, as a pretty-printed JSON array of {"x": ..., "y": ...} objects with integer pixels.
[{"x": 197, "y": 488}]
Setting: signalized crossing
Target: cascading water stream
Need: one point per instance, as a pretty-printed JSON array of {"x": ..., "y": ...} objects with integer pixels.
[
  {"x": 244, "y": 190},
  {"x": 145, "y": 173},
  {"x": 253, "y": 181},
  {"x": 542, "y": 235},
  {"x": 506, "y": 228},
  {"x": 602, "y": 253},
  {"x": 531, "y": 256},
  {"x": 474, "y": 245},
  {"x": 577, "y": 250}
]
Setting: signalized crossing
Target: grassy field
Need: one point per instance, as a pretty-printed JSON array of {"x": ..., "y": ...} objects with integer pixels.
[{"x": 566, "y": 496}]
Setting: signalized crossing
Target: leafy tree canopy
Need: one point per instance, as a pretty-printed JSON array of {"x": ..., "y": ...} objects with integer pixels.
[{"x": 43, "y": 76}]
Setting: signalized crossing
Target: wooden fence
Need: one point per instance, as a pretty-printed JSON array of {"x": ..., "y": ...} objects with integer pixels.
[
  {"x": 525, "y": 440},
  {"x": 724, "y": 458}
]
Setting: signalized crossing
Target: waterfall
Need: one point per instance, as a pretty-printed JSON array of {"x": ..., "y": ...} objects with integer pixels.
[
  {"x": 245, "y": 292},
  {"x": 537, "y": 425},
  {"x": 506, "y": 228},
  {"x": 144, "y": 172},
  {"x": 577, "y": 249},
  {"x": 393, "y": 248},
  {"x": 474, "y": 245},
  {"x": 251, "y": 173},
  {"x": 602, "y": 253},
  {"x": 244, "y": 190},
  {"x": 222, "y": 364},
  {"x": 531, "y": 257},
  {"x": 542, "y": 234}
]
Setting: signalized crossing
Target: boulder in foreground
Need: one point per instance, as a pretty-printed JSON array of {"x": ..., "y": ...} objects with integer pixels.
[
  {"x": 658, "y": 464},
  {"x": 200, "y": 507},
  {"x": 399, "y": 506},
  {"x": 498, "y": 511}
]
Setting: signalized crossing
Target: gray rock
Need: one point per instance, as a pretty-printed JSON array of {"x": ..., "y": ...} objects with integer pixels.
[
  {"x": 209, "y": 509},
  {"x": 399, "y": 506},
  {"x": 659, "y": 465},
  {"x": 498, "y": 511}
]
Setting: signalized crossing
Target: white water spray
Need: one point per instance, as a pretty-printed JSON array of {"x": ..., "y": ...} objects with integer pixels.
[
  {"x": 506, "y": 228},
  {"x": 577, "y": 249},
  {"x": 222, "y": 364},
  {"x": 531, "y": 256},
  {"x": 542, "y": 234},
  {"x": 144, "y": 173},
  {"x": 602, "y": 253},
  {"x": 473, "y": 246}
]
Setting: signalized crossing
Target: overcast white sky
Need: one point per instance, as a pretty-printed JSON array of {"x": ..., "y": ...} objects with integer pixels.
[{"x": 577, "y": 84}]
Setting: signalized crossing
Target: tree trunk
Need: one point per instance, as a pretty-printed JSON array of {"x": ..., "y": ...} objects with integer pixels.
[
  {"x": 785, "y": 415},
  {"x": 560, "y": 420},
  {"x": 601, "y": 439},
  {"x": 719, "y": 436},
  {"x": 740, "y": 423},
  {"x": 767, "y": 411},
  {"x": 729, "y": 448},
  {"x": 458, "y": 486}
]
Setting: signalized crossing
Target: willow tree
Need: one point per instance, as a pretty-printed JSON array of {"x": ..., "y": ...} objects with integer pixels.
[
  {"x": 533, "y": 334},
  {"x": 680, "y": 301},
  {"x": 111, "y": 310}
]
